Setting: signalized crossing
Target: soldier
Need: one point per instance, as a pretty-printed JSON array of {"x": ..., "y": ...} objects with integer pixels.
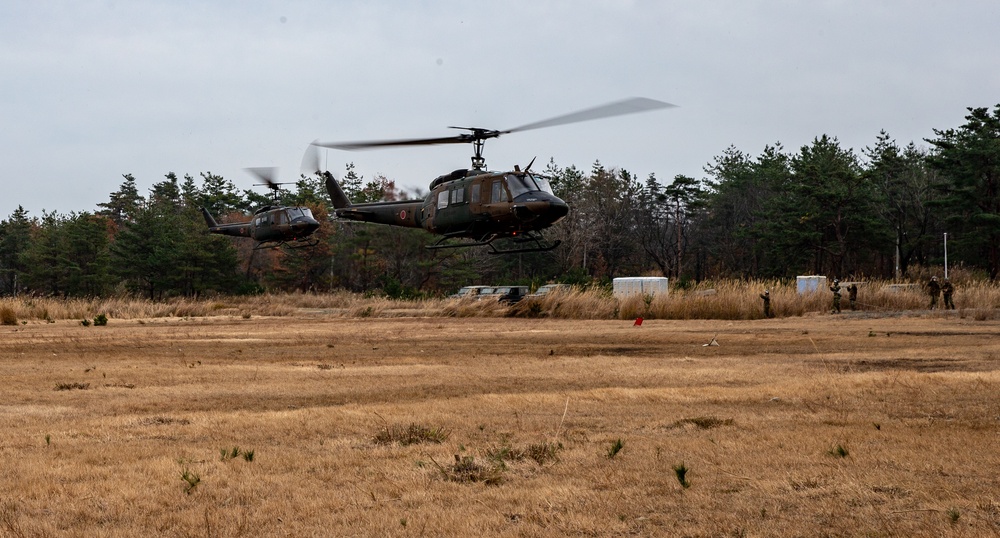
[
  {"x": 948, "y": 290},
  {"x": 934, "y": 289},
  {"x": 835, "y": 288},
  {"x": 852, "y": 294},
  {"x": 766, "y": 296}
]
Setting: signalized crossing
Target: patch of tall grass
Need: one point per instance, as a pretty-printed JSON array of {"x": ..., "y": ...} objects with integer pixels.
[
  {"x": 728, "y": 299},
  {"x": 594, "y": 303}
]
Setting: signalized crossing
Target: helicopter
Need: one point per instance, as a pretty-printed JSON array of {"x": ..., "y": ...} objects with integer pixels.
[
  {"x": 274, "y": 225},
  {"x": 474, "y": 203}
]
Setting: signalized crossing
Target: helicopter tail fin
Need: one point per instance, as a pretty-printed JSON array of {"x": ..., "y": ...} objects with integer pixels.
[
  {"x": 209, "y": 219},
  {"x": 337, "y": 196}
]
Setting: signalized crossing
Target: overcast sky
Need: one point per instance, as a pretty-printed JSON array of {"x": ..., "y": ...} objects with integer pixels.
[{"x": 92, "y": 90}]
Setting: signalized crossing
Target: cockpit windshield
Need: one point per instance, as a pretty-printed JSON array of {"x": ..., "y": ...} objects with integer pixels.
[
  {"x": 297, "y": 212},
  {"x": 522, "y": 183},
  {"x": 543, "y": 184}
]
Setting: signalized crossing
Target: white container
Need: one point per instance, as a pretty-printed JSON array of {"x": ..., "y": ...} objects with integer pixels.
[
  {"x": 810, "y": 284},
  {"x": 640, "y": 285}
]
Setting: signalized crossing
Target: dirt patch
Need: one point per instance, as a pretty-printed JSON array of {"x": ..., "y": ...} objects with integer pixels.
[
  {"x": 989, "y": 334},
  {"x": 917, "y": 365}
]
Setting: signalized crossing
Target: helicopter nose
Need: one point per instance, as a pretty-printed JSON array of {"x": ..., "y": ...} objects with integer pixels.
[
  {"x": 547, "y": 210},
  {"x": 558, "y": 209},
  {"x": 305, "y": 226}
]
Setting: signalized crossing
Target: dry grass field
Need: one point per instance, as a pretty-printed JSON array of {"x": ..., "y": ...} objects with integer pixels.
[{"x": 312, "y": 424}]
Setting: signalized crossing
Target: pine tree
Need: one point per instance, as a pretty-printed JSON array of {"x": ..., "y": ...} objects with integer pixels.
[
  {"x": 968, "y": 159},
  {"x": 123, "y": 203},
  {"x": 15, "y": 238}
]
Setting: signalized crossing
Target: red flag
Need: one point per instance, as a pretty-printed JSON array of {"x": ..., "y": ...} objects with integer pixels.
[{"x": 638, "y": 322}]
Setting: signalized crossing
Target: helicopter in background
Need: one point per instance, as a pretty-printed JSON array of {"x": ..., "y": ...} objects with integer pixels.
[
  {"x": 474, "y": 203},
  {"x": 274, "y": 225}
]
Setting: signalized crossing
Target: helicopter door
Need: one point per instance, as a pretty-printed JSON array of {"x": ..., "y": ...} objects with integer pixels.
[
  {"x": 475, "y": 198},
  {"x": 497, "y": 205}
]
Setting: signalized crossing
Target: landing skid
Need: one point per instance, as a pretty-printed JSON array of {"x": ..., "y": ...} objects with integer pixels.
[
  {"x": 537, "y": 240},
  {"x": 441, "y": 244},
  {"x": 539, "y": 247},
  {"x": 286, "y": 244}
]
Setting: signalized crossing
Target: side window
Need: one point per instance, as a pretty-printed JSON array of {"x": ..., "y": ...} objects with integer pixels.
[
  {"x": 460, "y": 195},
  {"x": 499, "y": 194},
  {"x": 475, "y": 193},
  {"x": 442, "y": 199}
]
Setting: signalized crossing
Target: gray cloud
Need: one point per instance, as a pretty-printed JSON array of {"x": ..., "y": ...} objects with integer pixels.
[{"x": 94, "y": 90}]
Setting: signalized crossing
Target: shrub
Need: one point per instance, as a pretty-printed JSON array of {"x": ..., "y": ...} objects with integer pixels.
[
  {"x": 235, "y": 452},
  {"x": 410, "y": 435},
  {"x": 681, "y": 472},
  {"x": 72, "y": 386},
  {"x": 543, "y": 452},
  {"x": 838, "y": 451},
  {"x": 704, "y": 423},
  {"x": 615, "y": 448},
  {"x": 953, "y": 515},
  {"x": 466, "y": 469},
  {"x": 191, "y": 480}
]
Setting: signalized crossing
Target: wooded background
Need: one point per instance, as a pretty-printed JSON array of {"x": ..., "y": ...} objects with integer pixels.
[{"x": 823, "y": 209}]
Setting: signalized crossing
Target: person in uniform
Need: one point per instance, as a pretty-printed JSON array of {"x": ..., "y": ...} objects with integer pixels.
[
  {"x": 852, "y": 294},
  {"x": 934, "y": 289},
  {"x": 766, "y": 296},
  {"x": 835, "y": 288},
  {"x": 947, "y": 290}
]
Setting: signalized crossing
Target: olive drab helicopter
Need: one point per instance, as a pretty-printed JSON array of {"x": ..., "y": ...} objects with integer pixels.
[
  {"x": 474, "y": 203},
  {"x": 274, "y": 225}
]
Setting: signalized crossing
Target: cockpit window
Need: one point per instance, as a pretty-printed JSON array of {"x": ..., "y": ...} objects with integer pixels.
[
  {"x": 522, "y": 183},
  {"x": 543, "y": 184},
  {"x": 519, "y": 185},
  {"x": 298, "y": 212}
]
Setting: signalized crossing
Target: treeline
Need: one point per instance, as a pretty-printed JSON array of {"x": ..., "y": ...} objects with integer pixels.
[{"x": 824, "y": 209}]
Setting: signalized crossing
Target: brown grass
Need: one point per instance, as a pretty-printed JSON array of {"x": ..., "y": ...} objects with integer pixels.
[
  {"x": 735, "y": 300},
  {"x": 531, "y": 407}
]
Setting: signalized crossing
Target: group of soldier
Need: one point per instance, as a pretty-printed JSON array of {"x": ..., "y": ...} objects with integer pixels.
[
  {"x": 934, "y": 288},
  {"x": 852, "y": 295}
]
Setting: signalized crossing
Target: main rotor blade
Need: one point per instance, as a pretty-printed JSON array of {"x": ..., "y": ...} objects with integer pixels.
[
  {"x": 265, "y": 174},
  {"x": 618, "y": 108},
  {"x": 310, "y": 160},
  {"x": 369, "y": 144}
]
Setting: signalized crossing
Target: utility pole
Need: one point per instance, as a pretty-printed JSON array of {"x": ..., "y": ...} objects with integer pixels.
[
  {"x": 946, "y": 254},
  {"x": 899, "y": 274},
  {"x": 677, "y": 222}
]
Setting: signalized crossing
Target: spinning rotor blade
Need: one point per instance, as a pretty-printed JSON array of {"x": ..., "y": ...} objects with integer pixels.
[
  {"x": 266, "y": 175},
  {"x": 310, "y": 161},
  {"x": 618, "y": 108},
  {"x": 459, "y": 139}
]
